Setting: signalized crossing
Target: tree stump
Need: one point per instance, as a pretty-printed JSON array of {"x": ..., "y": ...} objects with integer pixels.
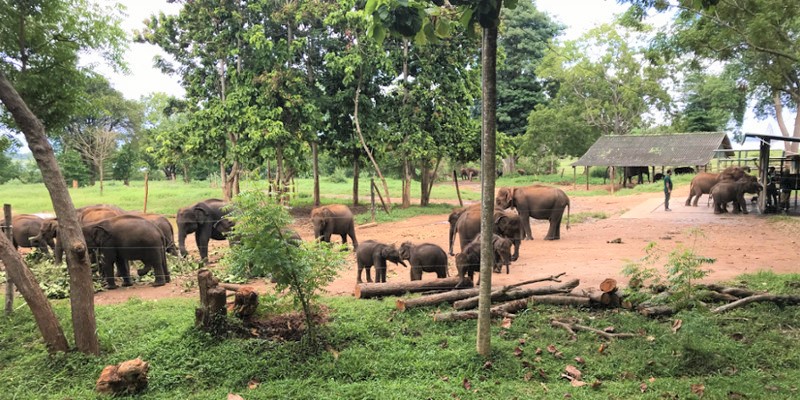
[
  {"x": 128, "y": 377},
  {"x": 245, "y": 303},
  {"x": 212, "y": 312}
]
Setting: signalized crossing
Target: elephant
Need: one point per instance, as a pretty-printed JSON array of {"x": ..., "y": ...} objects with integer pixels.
[
  {"x": 729, "y": 191},
  {"x": 469, "y": 260},
  {"x": 425, "y": 257},
  {"x": 86, "y": 215},
  {"x": 128, "y": 237},
  {"x": 658, "y": 176},
  {"x": 375, "y": 253},
  {"x": 199, "y": 218},
  {"x": 703, "y": 182},
  {"x": 335, "y": 219},
  {"x": 683, "y": 170},
  {"x": 468, "y": 173},
  {"x": 630, "y": 172},
  {"x": 467, "y": 222},
  {"x": 539, "y": 202},
  {"x": 26, "y": 228},
  {"x": 164, "y": 225},
  {"x": 520, "y": 171}
]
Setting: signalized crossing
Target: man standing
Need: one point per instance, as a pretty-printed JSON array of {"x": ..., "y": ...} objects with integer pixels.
[{"x": 667, "y": 189}]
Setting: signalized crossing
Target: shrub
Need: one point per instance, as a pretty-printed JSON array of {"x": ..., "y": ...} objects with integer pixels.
[{"x": 265, "y": 248}]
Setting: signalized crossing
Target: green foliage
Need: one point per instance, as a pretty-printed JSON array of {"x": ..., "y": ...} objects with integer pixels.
[
  {"x": 40, "y": 42},
  {"x": 265, "y": 248},
  {"x": 681, "y": 270},
  {"x": 73, "y": 168},
  {"x": 339, "y": 175},
  {"x": 603, "y": 84},
  {"x": 750, "y": 351},
  {"x": 8, "y": 168}
]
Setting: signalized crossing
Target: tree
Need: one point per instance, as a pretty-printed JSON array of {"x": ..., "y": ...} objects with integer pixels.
[
  {"x": 426, "y": 23},
  {"x": 97, "y": 145},
  {"x": 8, "y": 168},
  {"x": 73, "y": 168},
  {"x": 603, "y": 82},
  {"x": 525, "y": 34},
  {"x": 43, "y": 64},
  {"x": 759, "y": 36},
  {"x": 713, "y": 103}
]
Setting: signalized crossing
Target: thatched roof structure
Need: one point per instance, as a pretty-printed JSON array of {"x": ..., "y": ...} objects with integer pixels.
[{"x": 656, "y": 150}]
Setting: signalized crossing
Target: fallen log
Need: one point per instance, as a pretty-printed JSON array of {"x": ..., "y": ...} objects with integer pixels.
[
  {"x": 452, "y": 296},
  {"x": 610, "y": 299},
  {"x": 507, "y": 309},
  {"x": 572, "y": 327},
  {"x": 434, "y": 299},
  {"x": 608, "y": 285},
  {"x": 779, "y": 299},
  {"x": 371, "y": 290},
  {"x": 518, "y": 293},
  {"x": 656, "y": 311}
]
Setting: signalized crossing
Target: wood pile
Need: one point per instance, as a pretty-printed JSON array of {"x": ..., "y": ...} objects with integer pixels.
[{"x": 128, "y": 377}]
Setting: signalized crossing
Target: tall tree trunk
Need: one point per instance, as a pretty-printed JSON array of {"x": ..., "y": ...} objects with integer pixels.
[
  {"x": 279, "y": 173},
  {"x": 366, "y": 149},
  {"x": 776, "y": 101},
  {"x": 406, "y": 162},
  {"x": 489, "y": 112},
  {"x": 101, "y": 178},
  {"x": 186, "y": 178},
  {"x": 27, "y": 285},
  {"x": 223, "y": 176},
  {"x": 69, "y": 231},
  {"x": 424, "y": 195},
  {"x": 315, "y": 168},
  {"x": 356, "y": 176}
]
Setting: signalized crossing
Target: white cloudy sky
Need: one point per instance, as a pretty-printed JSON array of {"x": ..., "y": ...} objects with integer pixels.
[{"x": 578, "y": 15}]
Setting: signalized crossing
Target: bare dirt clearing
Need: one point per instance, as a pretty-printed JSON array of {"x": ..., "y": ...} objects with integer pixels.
[{"x": 739, "y": 243}]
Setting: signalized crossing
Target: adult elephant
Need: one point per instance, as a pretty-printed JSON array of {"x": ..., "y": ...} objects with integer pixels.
[
  {"x": 86, "y": 215},
  {"x": 372, "y": 253},
  {"x": 468, "y": 173},
  {"x": 683, "y": 170},
  {"x": 164, "y": 226},
  {"x": 425, "y": 257},
  {"x": 703, "y": 182},
  {"x": 26, "y": 227},
  {"x": 469, "y": 260},
  {"x": 127, "y": 237},
  {"x": 630, "y": 172},
  {"x": 538, "y": 202},
  {"x": 199, "y": 218},
  {"x": 467, "y": 223},
  {"x": 728, "y": 191},
  {"x": 335, "y": 219}
]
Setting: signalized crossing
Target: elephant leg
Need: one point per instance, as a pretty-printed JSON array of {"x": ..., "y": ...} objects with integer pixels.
[
  {"x": 369, "y": 274},
  {"x": 360, "y": 268},
  {"x": 124, "y": 271},
  {"x": 107, "y": 270},
  {"x": 554, "y": 231},
  {"x": 202, "y": 244},
  {"x": 516, "y": 243},
  {"x": 525, "y": 222},
  {"x": 352, "y": 234}
]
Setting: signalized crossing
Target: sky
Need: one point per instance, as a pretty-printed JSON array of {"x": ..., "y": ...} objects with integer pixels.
[{"x": 578, "y": 16}]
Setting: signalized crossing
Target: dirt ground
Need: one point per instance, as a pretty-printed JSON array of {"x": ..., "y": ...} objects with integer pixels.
[{"x": 739, "y": 243}]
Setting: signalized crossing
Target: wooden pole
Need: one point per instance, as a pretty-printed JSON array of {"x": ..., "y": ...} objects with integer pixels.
[
  {"x": 613, "y": 178},
  {"x": 146, "y": 190},
  {"x": 458, "y": 192},
  {"x": 9, "y": 284},
  {"x": 372, "y": 181},
  {"x": 574, "y": 177},
  {"x": 586, "y": 170}
]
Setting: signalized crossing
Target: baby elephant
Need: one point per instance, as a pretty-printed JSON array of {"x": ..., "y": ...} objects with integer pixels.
[
  {"x": 469, "y": 261},
  {"x": 371, "y": 253},
  {"x": 426, "y": 257}
]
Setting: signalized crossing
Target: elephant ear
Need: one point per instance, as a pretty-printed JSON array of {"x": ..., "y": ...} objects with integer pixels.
[
  {"x": 202, "y": 212},
  {"x": 100, "y": 235},
  {"x": 498, "y": 217},
  {"x": 327, "y": 213}
]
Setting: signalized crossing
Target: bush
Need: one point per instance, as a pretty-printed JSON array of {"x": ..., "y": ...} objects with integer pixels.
[{"x": 266, "y": 248}]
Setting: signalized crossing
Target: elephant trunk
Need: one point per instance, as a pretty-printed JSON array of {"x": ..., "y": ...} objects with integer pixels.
[
  {"x": 182, "y": 240},
  {"x": 452, "y": 236}
]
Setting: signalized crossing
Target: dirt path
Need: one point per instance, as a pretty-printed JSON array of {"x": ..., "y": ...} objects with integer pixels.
[{"x": 739, "y": 243}]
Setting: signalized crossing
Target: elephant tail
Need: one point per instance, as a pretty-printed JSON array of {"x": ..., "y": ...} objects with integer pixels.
[{"x": 568, "y": 207}]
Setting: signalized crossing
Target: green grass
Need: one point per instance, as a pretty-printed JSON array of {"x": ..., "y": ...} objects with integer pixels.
[{"x": 377, "y": 353}]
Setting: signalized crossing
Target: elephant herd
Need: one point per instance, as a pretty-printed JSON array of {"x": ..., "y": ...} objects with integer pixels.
[
  {"x": 115, "y": 236},
  {"x": 514, "y": 207},
  {"x": 728, "y": 186}
]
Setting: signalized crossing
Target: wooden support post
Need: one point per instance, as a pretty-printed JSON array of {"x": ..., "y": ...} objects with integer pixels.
[
  {"x": 9, "y": 284},
  {"x": 574, "y": 177},
  {"x": 375, "y": 188},
  {"x": 586, "y": 170},
  {"x": 613, "y": 178}
]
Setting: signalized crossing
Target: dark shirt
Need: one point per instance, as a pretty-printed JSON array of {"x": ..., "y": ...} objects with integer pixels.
[{"x": 667, "y": 183}]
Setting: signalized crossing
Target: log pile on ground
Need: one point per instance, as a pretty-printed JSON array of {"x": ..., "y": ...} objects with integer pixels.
[
  {"x": 371, "y": 290},
  {"x": 128, "y": 377},
  {"x": 510, "y": 299},
  {"x": 734, "y": 297}
]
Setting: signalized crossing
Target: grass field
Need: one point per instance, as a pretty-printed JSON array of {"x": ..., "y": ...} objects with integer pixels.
[
  {"x": 166, "y": 197},
  {"x": 374, "y": 352}
]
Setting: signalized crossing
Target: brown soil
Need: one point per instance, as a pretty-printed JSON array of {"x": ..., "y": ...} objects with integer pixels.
[{"x": 739, "y": 243}]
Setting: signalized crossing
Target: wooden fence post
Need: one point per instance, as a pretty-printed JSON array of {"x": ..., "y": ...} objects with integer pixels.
[
  {"x": 372, "y": 197},
  {"x": 146, "y": 191}
]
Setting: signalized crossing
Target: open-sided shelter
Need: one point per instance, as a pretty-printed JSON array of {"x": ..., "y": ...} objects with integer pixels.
[{"x": 678, "y": 149}]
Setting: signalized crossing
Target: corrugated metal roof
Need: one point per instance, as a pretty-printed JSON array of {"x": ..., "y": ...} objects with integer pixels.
[{"x": 655, "y": 150}]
